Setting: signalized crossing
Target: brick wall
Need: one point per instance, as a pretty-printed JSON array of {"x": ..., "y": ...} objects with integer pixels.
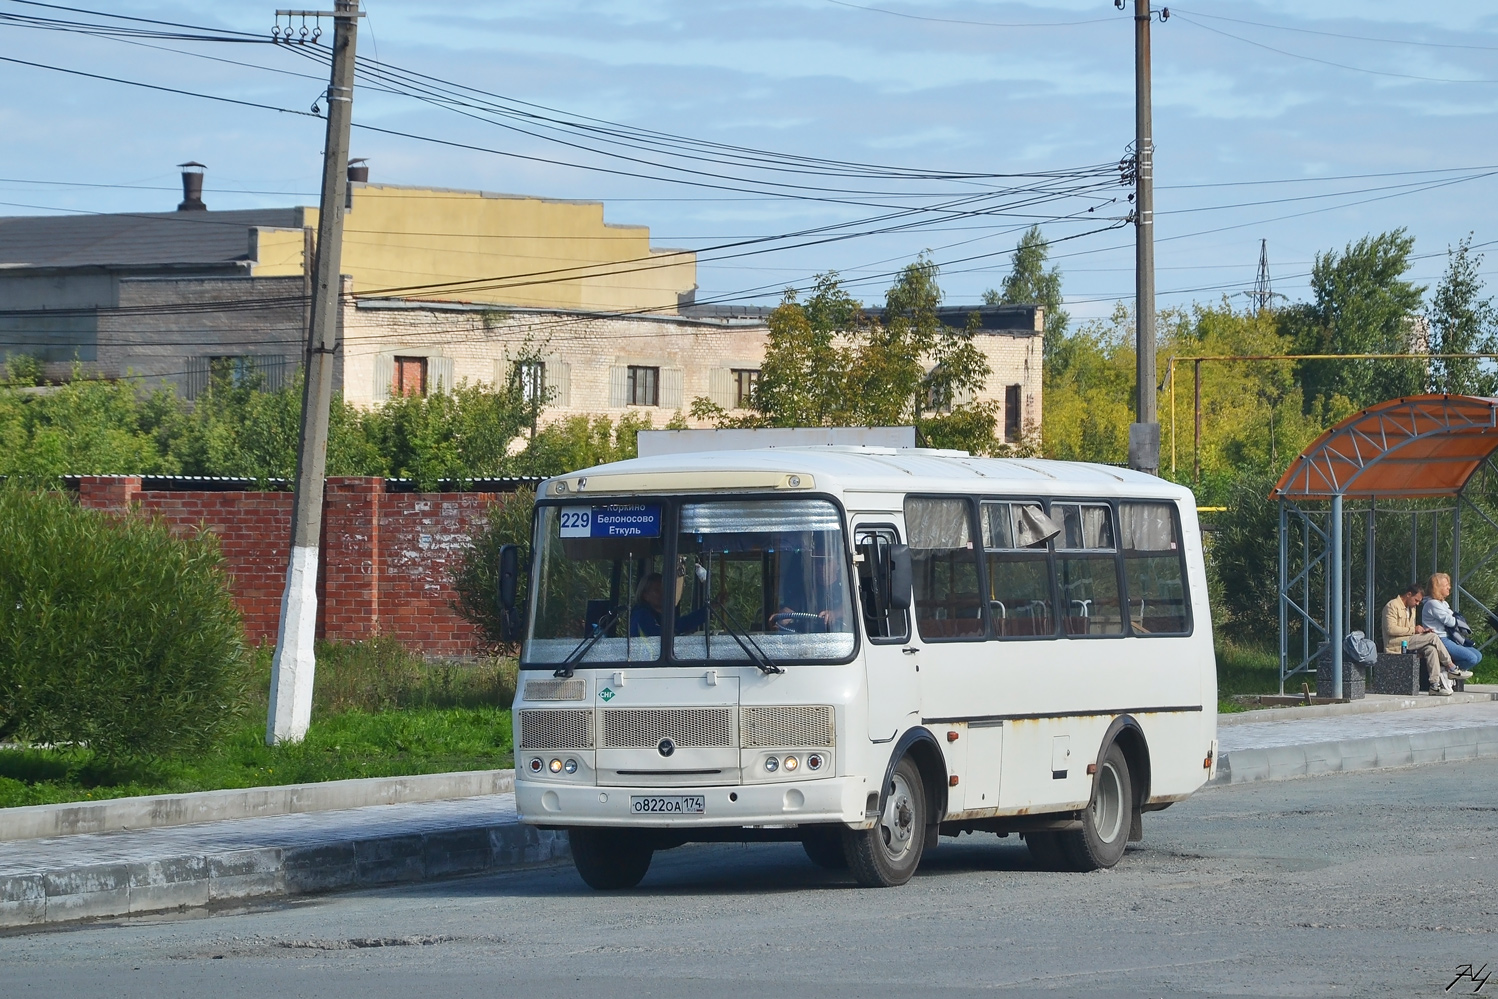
[{"x": 386, "y": 557}]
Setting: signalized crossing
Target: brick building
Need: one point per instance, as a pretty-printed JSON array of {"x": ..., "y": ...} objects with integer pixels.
[{"x": 435, "y": 292}]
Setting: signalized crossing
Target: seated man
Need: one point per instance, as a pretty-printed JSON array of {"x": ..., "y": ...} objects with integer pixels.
[
  {"x": 1400, "y": 626},
  {"x": 645, "y": 618},
  {"x": 1436, "y": 615}
]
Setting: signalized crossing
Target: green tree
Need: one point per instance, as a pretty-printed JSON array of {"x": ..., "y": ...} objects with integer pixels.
[
  {"x": 1360, "y": 304},
  {"x": 1029, "y": 283},
  {"x": 1462, "y": 323},
  {"x": 827, "y": 363}
]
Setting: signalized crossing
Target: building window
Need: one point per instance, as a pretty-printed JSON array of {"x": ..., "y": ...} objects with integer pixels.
[
  {"x": 410, "y": 376},
  {"x": 1013, "y": 424},
  {"x": 745, "y": 381},
  {"x": 644, "y": 386},
  {"x": 532, "y": 378}
]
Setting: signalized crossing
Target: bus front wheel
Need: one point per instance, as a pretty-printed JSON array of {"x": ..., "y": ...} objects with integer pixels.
[
  {"x": 888, "y": 854},
  {"x": 1107, "y": 818},
  {"x": 610, "y": 859}
]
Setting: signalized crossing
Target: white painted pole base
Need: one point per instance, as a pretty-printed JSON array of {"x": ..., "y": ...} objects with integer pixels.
[{"x": 295, "y": 662}]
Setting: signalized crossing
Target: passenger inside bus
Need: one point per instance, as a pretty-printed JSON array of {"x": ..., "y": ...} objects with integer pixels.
[{"x": 645, "y": 618}]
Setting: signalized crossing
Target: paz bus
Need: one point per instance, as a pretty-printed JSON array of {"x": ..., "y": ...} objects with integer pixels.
[{"x": 858, "y": 647}]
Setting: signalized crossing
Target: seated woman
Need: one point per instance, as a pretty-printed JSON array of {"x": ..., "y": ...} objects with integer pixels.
[{"x": 650, "y": 600}]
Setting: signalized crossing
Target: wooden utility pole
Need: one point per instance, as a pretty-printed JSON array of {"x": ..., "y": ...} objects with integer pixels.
[
  {"x": 1144, "y": 434},
  {"x": 294, "y": 664}
]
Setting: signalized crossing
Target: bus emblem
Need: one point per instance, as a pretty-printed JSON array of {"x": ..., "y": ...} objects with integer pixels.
[
  {"x": 606, "y": 694},
  {"x": 666, "y": 748}
]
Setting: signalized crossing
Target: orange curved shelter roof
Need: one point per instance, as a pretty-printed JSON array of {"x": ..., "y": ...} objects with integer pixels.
[{"x": 1423, "y": 445}]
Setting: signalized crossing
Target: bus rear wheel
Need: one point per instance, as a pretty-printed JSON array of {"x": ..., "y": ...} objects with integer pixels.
[
  {"x": 888, "y": 854},
  {"x": 1107, "y": 818},
  {"x": 610, "y": 859}
]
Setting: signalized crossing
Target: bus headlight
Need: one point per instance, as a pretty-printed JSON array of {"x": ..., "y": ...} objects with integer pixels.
[
  {"x": 556, "y": 766},
  {"x": 791, "y": 763},
  {"x": 771, "y": 764},
  {"x": 570, "y": 766}
]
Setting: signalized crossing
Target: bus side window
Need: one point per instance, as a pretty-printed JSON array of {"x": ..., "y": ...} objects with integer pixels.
[
  {"x": 1087, "y": 569},
  {"x": 944, "y": 567},
  {"x": 1154, "y": 568},
  {"x": 881, "y": 623},
  {"x": 1019, "y": 570}
]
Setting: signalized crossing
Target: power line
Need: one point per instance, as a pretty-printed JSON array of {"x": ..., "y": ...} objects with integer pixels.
[
  {"x": 979, "y": 24},
  {"x": 1338, "y": 34},
  {"x": 1328, "y": 62}
]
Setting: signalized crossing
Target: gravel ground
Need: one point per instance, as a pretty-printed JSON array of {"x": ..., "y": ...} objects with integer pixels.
[{"x": 1366, "y": 884}]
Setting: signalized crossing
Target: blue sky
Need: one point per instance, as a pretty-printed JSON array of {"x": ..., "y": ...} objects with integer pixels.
[{"x": 1245, "y": 92}]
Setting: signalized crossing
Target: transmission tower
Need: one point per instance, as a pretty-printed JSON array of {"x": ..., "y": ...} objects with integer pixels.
[{"x": 1262, "y": 296}]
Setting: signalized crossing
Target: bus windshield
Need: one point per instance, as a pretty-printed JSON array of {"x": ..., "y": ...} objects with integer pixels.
[{"x": 741, "y": 581}]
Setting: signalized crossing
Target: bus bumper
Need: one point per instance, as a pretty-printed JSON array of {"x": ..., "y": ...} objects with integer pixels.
[{"x": 829, "y": 799}]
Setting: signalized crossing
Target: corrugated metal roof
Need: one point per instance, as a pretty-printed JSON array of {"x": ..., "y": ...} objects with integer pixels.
[
  {"x": 135, "y": 240},
  {"x": 1416, "y": 446}
]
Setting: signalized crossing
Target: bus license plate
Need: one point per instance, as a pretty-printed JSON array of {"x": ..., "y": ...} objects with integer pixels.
[{"x": 668, "y": 804}]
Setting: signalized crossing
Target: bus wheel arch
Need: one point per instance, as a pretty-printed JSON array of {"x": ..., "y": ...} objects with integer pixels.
[
  {"x": 913, "y": 793},
  {"x": 1129, "y": 736}
]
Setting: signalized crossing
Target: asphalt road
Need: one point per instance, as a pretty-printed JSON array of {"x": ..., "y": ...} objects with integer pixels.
[{"x": 1368, "y": 884}]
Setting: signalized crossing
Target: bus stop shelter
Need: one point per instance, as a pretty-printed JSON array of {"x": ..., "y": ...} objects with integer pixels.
[{"x": 1418, "y": 448}]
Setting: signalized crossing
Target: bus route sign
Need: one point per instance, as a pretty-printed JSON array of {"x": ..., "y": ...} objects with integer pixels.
[{"x": 640, "y": 521}]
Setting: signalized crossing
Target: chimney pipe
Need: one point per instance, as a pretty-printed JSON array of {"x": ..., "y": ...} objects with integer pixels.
[{"x": 192, "y": 187}]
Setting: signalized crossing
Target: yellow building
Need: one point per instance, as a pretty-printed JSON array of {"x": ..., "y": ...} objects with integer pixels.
[{"x": 472, "y": 246}]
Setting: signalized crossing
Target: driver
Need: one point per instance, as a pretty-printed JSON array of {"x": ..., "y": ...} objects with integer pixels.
[{"x": 645, "y": 618}]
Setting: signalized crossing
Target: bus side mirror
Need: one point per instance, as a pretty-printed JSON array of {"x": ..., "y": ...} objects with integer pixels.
[
  {"x": 510, "y": 622},
  {"x": 509, "y": 575},
  {"x": 899, "y": 576}
]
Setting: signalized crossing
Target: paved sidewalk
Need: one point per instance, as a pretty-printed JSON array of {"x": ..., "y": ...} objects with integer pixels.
[{"x": 93, "y": 875}]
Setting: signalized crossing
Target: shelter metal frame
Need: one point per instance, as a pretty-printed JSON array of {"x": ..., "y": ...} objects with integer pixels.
[{"x": 1418, "y": 447}]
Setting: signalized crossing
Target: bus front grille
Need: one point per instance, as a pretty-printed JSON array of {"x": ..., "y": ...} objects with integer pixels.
[
  {"x": 787, "y": 726},
  {"x": 689, "y": 728},
  {"x": 556, "y": 728},
  {"x": 555, "y": 690}
]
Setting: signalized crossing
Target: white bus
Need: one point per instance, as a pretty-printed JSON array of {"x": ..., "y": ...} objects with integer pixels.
[{"x": 863, "y": 649}]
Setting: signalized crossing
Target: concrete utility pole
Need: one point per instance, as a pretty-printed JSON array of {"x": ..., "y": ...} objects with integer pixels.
[
  {"x": 1144, "y": 434},
  {"x": 294, "y": 664}
]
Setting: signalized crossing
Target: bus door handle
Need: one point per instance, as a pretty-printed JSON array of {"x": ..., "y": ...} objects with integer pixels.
[{"x": 910, "y": 650}]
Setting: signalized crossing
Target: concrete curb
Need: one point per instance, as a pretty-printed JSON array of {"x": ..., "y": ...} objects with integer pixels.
[
  {"x": 1279, "y": 762},
  {"x": 42, "y": 821},
  {"x": 205, "y": 880}
]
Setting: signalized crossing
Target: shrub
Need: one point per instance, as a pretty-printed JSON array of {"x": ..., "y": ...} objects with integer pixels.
[
  {"x": 476, "y": 576},
  {"x": 381, "y": 674},
  {"x": 113, "y": 632}
]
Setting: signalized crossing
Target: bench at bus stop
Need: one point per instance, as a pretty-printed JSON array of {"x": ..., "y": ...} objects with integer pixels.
[{"x": 1394, "y": 673}]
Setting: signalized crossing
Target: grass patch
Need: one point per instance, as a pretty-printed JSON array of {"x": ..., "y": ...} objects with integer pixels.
[
  {"x": 1244, "y": 669},
  {"x": 378, "y": 711}
]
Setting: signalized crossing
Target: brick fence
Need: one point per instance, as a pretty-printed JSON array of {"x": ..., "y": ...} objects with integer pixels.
[{"x": 387, "y": 557}]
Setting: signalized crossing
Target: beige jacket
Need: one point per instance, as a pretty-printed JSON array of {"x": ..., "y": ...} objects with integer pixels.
[{"x": 1399, "y": 624}]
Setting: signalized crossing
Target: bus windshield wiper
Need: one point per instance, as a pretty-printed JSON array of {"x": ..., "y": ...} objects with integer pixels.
[
  {"x": 603, "y": 624},
  {"x": 747, "y": 643}
]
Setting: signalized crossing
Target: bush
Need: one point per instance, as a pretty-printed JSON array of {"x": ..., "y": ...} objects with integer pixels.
[
  {"x": 476, "y": 576},
  {"x": 113, "y": 633}
]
